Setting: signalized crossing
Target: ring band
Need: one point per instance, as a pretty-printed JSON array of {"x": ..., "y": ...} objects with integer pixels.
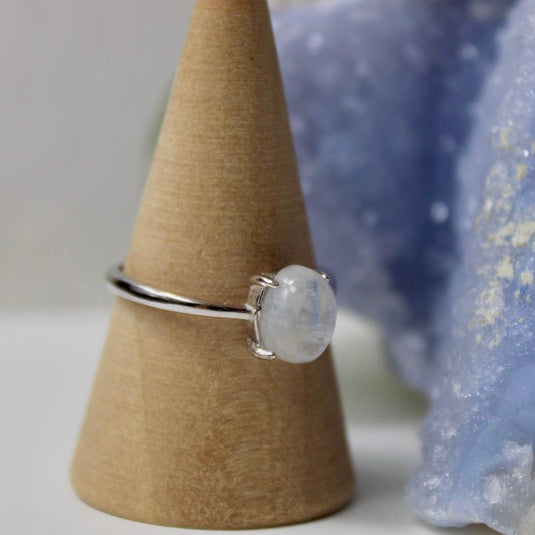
[
  {"x": 125, "y": 287},
  {"x": 293, "y": 312}
]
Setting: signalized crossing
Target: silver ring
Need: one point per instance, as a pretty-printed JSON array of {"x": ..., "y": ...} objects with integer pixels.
[{"x": 292, "y": 312}]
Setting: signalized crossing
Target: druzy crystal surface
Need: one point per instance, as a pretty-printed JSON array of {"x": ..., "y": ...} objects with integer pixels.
[
  {"x": 414, "y": 123},
  {"x": 381, "y": 96},
  {"x": 298, "y": 317},
  {"x": 479, "y": 435}
]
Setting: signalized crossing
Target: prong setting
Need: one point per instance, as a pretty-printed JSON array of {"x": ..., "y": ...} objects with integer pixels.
[
  {"x": 325, "y": 276},
  {"x": 259, "y": 352},
  {"x": 265, "y": 280},
  {"x": 260, "y": 283}
]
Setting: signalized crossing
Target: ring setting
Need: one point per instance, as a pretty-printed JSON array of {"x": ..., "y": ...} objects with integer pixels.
[{"x": 292, "y": 312}]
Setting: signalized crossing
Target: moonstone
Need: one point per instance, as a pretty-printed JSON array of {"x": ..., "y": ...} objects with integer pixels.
[{"x": 297, "y": 317}]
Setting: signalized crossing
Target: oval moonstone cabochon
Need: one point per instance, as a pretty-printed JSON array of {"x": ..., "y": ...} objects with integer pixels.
[{"x": 298, "y": 317}]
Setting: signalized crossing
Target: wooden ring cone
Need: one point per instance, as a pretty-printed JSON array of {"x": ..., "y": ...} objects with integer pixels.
[{"x": 184, "y": 427}]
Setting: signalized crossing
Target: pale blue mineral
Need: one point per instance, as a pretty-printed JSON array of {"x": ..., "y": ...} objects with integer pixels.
[
  {"x": 479, "y": 435},
  {"x": 414, "y": 123},
  {"x": 380, "y": 96}
]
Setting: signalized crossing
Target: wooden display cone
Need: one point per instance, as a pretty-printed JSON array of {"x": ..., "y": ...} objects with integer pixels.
[{"x": 184, "y": 427}]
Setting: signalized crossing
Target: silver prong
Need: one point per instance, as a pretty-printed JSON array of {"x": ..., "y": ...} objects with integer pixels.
[
  {"x": 265, "y": 280},
  {"x": 325, "y": 276},
  {"x": 256, "y": 326},
  {"x": 259, "y": 352}
]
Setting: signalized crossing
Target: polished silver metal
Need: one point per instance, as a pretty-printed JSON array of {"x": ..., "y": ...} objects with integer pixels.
[
  {"x": 129, "y": 289},
  {"x": 259, "y": 285},
  {"x": 125, "y": 287}
]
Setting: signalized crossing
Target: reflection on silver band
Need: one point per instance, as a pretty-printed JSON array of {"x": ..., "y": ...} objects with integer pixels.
[{"x": 124, "y": 287}]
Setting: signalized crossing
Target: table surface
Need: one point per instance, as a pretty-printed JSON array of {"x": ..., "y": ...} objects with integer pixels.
[{"x": 48, "y": 361}]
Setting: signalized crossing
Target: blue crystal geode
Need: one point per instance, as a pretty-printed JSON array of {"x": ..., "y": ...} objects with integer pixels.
[{"x": 414, "y": 123}]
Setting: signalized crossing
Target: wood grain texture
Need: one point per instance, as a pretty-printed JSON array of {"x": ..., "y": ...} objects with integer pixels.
[{"x": 184, "y": 427}]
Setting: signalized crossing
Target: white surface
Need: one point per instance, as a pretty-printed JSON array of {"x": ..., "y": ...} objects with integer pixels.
[{"x": 44, "y": 386}]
